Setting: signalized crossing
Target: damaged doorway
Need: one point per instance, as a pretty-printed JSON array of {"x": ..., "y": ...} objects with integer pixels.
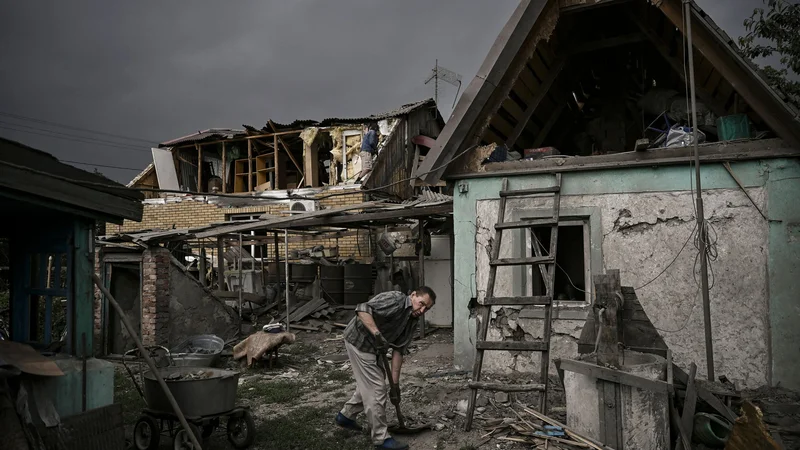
[
  {"x": 125, "y": 284},
  {"x": 573, "y": 261}
]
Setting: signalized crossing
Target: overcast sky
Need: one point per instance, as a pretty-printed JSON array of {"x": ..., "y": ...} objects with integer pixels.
[{"x": 155, "y": 70}]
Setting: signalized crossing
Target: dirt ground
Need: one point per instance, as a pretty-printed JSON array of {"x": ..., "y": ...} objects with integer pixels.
[{"x": 294, "y": 402}]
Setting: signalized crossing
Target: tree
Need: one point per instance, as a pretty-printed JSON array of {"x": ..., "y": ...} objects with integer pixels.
[{"x": 774, "y": 31}]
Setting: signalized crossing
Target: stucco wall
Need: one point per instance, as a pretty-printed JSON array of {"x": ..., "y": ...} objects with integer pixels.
[
  {"x": 640, "y": 220},
  {"x": 641, "y": 234}
]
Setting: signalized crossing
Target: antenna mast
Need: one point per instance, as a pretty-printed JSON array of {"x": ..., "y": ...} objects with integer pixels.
[{"x": 448, "y": 76}]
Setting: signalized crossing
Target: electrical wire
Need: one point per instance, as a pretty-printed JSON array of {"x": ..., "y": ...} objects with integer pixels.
[
  {"x": 104, "y": 185},
  {"x": 71, "y": 127},
  {"x": 692, "y": 234},
  {"x": 100, "y": 165},
  {"x": 67, "y": 137}
]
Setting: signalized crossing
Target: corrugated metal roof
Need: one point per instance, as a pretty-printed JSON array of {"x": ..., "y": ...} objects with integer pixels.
[
  {"x": 332, "y": 121},
  {"x": 211, "y": 134}
]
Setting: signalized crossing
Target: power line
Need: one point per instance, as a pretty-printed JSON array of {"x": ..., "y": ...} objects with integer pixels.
[
  {"x": 99, "y": 165},
  {"x": 83, "y": 140},
  {"x": 75, "y": 136},
  {"x": 71, "y": 127}
]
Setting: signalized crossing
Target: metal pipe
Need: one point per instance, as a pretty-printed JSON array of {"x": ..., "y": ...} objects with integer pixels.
[
  {"x": 701, "y": 226},
  {"x": 152, "y": 365},
  {"x": 286, "y": 267},
  {"x": 241, "y": 258}
]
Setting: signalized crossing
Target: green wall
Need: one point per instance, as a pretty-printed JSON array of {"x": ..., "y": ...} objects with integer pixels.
[{"x": 780, "y": 176}]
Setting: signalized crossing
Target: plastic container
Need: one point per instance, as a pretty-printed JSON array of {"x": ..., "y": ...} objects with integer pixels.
[{"x": 733, "y": 127}]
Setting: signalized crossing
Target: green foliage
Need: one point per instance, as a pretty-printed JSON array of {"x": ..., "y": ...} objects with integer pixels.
[{"x": 774, "y": 31}]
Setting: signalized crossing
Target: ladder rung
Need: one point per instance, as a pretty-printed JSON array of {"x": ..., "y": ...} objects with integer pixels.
[
  {"x": 522, "y": 261},
  {"x": 525, "y": 224},
  {"x": 519, "y": 346},
  {"x": 506, "y": 387},
  {"x": 521, "y": 192},
  {"x": 542, "y": 300}
]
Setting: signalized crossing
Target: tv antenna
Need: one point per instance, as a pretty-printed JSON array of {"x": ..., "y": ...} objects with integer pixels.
[{"x": 446, "y": 75}]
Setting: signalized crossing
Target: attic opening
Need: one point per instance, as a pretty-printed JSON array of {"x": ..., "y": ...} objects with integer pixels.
[{"x": 609, "y": 77}]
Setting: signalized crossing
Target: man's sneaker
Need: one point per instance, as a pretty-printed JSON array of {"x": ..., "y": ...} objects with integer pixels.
[
  {"x": 391, "y": 444},
  {"x": 345, "y": 422}
]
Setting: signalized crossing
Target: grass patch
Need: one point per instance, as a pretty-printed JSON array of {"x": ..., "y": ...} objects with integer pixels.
[
  {"x": 272, "y": 391},
  {"x": 126, "y": 395},
  {"x": 340, "y": 376},
  {"x": 299, "y": 348},
  {"x": 308, "y": 428}
]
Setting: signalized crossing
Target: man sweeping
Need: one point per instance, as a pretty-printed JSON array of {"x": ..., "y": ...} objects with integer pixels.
[{"x": 386, "y": 321}]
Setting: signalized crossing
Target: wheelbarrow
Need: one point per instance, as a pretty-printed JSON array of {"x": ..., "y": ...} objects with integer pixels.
[{"x": 207, "y": 398}]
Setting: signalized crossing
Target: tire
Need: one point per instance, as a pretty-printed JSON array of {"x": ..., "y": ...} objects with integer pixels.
[
  {"x": 242, "y": 430},
  {"x": 182, "y": 440},
  {"x": 146, "y": 434}
]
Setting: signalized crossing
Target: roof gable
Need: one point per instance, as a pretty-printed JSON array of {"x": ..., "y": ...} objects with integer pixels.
[{"x": 555, "y": 60}]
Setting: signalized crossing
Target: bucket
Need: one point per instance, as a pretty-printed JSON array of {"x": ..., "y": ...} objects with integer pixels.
[
  {"x": 332, "y": 283},
  {"x": 357, "y": 283}
]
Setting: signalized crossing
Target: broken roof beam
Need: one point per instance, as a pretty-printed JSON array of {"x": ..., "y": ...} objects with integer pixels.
[
  {"x": 677, "y": 65},
  {"x": 734, "y": 68},
  {"x": 517, "y": 35},
  {"x": 544, "y": 88}
]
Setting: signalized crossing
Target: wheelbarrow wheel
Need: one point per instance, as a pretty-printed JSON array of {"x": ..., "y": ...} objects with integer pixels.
[
  {"x": 242, "y": 430},
  {"x": 146, "y": 433},
  {"x": 183, "y": 441}
]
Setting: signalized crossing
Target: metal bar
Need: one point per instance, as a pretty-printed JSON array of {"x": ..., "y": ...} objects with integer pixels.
[
  {"x": 286, "y": 262},
  {"x": 148, "y": 360},
  {"x": 224, "y": 170},
  {"x": 700, "y": 213},
  {"x": 220, "y": 264},
  {"x": 727, "y": 166},
  {"x": 239, "y": 284}
]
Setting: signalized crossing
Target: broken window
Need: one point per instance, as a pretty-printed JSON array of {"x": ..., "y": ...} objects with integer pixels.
[
  {"x": 572, "y": 272},
  {"x": 256, "y": 249}
]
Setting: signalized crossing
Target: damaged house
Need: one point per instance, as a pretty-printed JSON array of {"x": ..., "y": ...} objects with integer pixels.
[
  {"x": 203, "y": 234},
  {"x": 591, "y": 97}
]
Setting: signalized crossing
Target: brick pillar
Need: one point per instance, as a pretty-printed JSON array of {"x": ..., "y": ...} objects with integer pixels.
[{"x": 155, "y": 296}]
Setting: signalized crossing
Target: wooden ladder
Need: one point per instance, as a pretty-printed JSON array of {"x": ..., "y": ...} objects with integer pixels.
[{"x": 547, "y": 265}]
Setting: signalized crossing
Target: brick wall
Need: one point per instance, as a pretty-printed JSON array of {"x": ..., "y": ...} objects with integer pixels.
[
  {"x": 190, "y": 213},
  {"x": 155, "y": 296}
]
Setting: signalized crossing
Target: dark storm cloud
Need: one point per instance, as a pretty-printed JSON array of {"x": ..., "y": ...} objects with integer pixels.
[{"x": 158, "y": 70}]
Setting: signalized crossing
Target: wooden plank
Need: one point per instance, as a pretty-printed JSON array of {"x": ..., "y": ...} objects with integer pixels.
[
  {"x": 224, "y": 169},
  {"x": 532, "y": 191},
  {"x": 540, "y": 95},
  {"x": 528, "y": 223},
  {"x": 610, "y": 413},
  {"x": 250, "y": 166},
  {"x": 705, "y": 395},
  {"x": 286, "y": 147},
  {"x": 689, "y": 405},
  {"x": 684, "y": 438},
  {"x": 502, "y": 387},
  {"x": 512, "y": 346},
  {"x": 512, "y": 301},
  {"x": 604, "y": 373},
  {"x": 275, "y": 222},
  {"x": 609, "y": 299},
  {"x": 522, "y": 261},
  {"x": 306, "y": 310}
]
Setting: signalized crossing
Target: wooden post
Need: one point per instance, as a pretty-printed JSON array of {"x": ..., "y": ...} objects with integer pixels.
[
  {"x": 249, "y": 165},
  {"x": 202, "y": 266},
  {"x": 311, "y": 163},
  {"x": 609, "y": 298},
  {"x": 224, "y": 170},
  {"x": 199, "y": 168},
  {"x": 221, "y": 264},
  {"x": 421, "y": 277},
  {"x": 276, "y": 159}
]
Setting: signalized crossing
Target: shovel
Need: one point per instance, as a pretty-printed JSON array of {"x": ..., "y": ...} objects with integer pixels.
[{"x": 401, "y": 427}]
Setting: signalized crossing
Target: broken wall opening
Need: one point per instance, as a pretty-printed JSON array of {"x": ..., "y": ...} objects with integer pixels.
[{"x": 571, "y": 260}]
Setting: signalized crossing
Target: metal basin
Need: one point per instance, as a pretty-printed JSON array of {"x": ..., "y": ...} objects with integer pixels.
[
  {"x": 199, "y": 391},
  {"x": 202, "y": 350}
]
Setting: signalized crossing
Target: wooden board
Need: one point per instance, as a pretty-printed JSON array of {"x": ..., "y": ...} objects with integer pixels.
[{"x": 604, "y": 373}]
